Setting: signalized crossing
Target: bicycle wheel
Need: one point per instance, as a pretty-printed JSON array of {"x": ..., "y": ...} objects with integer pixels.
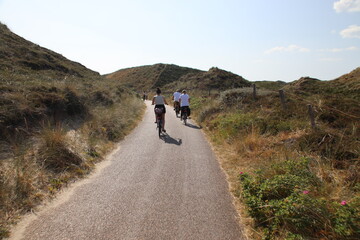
[
  {"x": 185, "y": 117},
  {"x": 159, "y": 127}
]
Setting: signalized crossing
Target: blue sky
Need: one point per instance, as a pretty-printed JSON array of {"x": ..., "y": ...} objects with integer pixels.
[{"x": 257, "y": 39}]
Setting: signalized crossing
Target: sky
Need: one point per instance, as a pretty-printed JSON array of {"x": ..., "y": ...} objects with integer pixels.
[{"x": 256, "y": 39}]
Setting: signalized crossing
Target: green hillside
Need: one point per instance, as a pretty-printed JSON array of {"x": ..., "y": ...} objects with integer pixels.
[
  {"x": 172, "y": 77},
  {"x": 21, "y": 57},
  {"x": 57, "y": 118},
  {"x": 214, "y": 79},
  {"x": 150, "y": 77},
  {"x": 290, "y": 179}
]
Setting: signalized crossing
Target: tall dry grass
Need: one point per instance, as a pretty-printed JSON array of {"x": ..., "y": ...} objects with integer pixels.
[
  {"x": 58, "y": 131},
  {"x": 250, "y": 137}
]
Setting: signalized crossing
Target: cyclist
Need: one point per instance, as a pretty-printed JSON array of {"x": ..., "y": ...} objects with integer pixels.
[
  {"x": 144, "y": 95},
  {"x": 160, "y": 102},
  {"x": 175, "y": 97},
  {"x": 184, "y": 100}
]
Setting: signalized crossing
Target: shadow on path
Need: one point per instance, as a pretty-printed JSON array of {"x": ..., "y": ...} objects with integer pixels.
[
  {"x": 168, "y": 139},
  {"x": 192, "y": 126}
]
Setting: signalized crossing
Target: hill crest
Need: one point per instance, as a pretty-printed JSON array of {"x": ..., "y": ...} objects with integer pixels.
[
  {"x": 22, "y": 56},
  {"x": 170, "y": 77}
]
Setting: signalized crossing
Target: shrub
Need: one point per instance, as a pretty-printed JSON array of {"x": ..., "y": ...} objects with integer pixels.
[
  {"x": 279, "y": 198},
  {"x": 283, "y": 199},
  {"x": 346, "y": 218}
]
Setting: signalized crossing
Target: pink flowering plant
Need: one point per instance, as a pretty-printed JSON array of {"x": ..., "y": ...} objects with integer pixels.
[
  {"x": 282, "y": 198},
  {"x": 346, "y": 218}
]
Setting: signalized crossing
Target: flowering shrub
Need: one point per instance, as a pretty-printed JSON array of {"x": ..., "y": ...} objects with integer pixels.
[
  {"x": 282, "y": 200},
  {"x": 346, "y": 218}
]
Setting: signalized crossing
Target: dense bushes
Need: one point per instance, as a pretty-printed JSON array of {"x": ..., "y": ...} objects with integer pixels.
[{"x": 284, "y": 200}]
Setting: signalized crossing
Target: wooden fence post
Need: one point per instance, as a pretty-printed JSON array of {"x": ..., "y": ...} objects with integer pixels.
[
  {"x": 254, "y": 91},
  {"x": 311, "y": 114},
  {"x": 282, "y": 99}
]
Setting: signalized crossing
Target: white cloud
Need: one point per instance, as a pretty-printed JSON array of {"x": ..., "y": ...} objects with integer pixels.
[
  {"x": 347, "y": 6},
  {"x": 352, "y": 31},
  {"x": 290, "y": 48},
  {"x": 335, "y": 50}
]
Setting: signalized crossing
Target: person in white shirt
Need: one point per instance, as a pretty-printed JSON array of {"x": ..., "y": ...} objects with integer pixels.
[
  {"x": 176, "y": 97},
  {"x": 159, "y": 101},
  {"x": 184, "y": 103}
]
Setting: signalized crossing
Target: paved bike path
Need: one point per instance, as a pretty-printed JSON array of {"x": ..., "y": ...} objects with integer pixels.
[{"x": 150, "y": 188}]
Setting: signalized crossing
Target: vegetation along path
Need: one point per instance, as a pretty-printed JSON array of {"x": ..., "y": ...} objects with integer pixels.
[{"x": 149, "y": 188}]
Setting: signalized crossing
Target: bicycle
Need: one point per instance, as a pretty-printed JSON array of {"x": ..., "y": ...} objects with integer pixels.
[
  {"x": 184, "y": 114},
  {"x": 177, "y": 109},
  {"x": 159, "y": 123}
]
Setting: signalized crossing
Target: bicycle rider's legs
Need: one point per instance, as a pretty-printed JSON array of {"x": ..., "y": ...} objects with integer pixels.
[{"x": 183, "y": 108}]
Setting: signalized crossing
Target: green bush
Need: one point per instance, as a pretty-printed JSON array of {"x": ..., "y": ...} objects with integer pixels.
[
  {"x": 346, "y": 218},
  {"x": 284, "y": 199}
]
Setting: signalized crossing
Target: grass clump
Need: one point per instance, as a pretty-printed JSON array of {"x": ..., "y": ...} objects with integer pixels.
[{"x": 55, "y": 154}]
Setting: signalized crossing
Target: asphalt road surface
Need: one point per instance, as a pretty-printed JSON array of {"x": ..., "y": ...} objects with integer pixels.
[{"x": 149, "y": 188}]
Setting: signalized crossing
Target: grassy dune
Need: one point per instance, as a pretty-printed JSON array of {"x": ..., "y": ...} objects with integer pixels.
[
  {"x": 171, "y": 77},
  {"x": 290, "y": 181},
  {"x": 57, "y": 119}
]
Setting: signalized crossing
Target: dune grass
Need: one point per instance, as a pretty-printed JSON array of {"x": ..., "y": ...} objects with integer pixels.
[
  {"x": 53, "y": 132},
  {"x": 289, "y": 181},
  {"x": 57, "y": 119}
]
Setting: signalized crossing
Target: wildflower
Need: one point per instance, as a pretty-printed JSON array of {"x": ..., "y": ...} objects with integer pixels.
[
  {"x": 306, "y": 192},
  {"x": 241, "y": 173},
  {"x": 343, "y": 203}
]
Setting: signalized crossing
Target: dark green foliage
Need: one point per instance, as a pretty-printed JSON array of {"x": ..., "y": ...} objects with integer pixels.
[
  {"x": 283, "y": 197},
  {"x": 346, "y": 219}
]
